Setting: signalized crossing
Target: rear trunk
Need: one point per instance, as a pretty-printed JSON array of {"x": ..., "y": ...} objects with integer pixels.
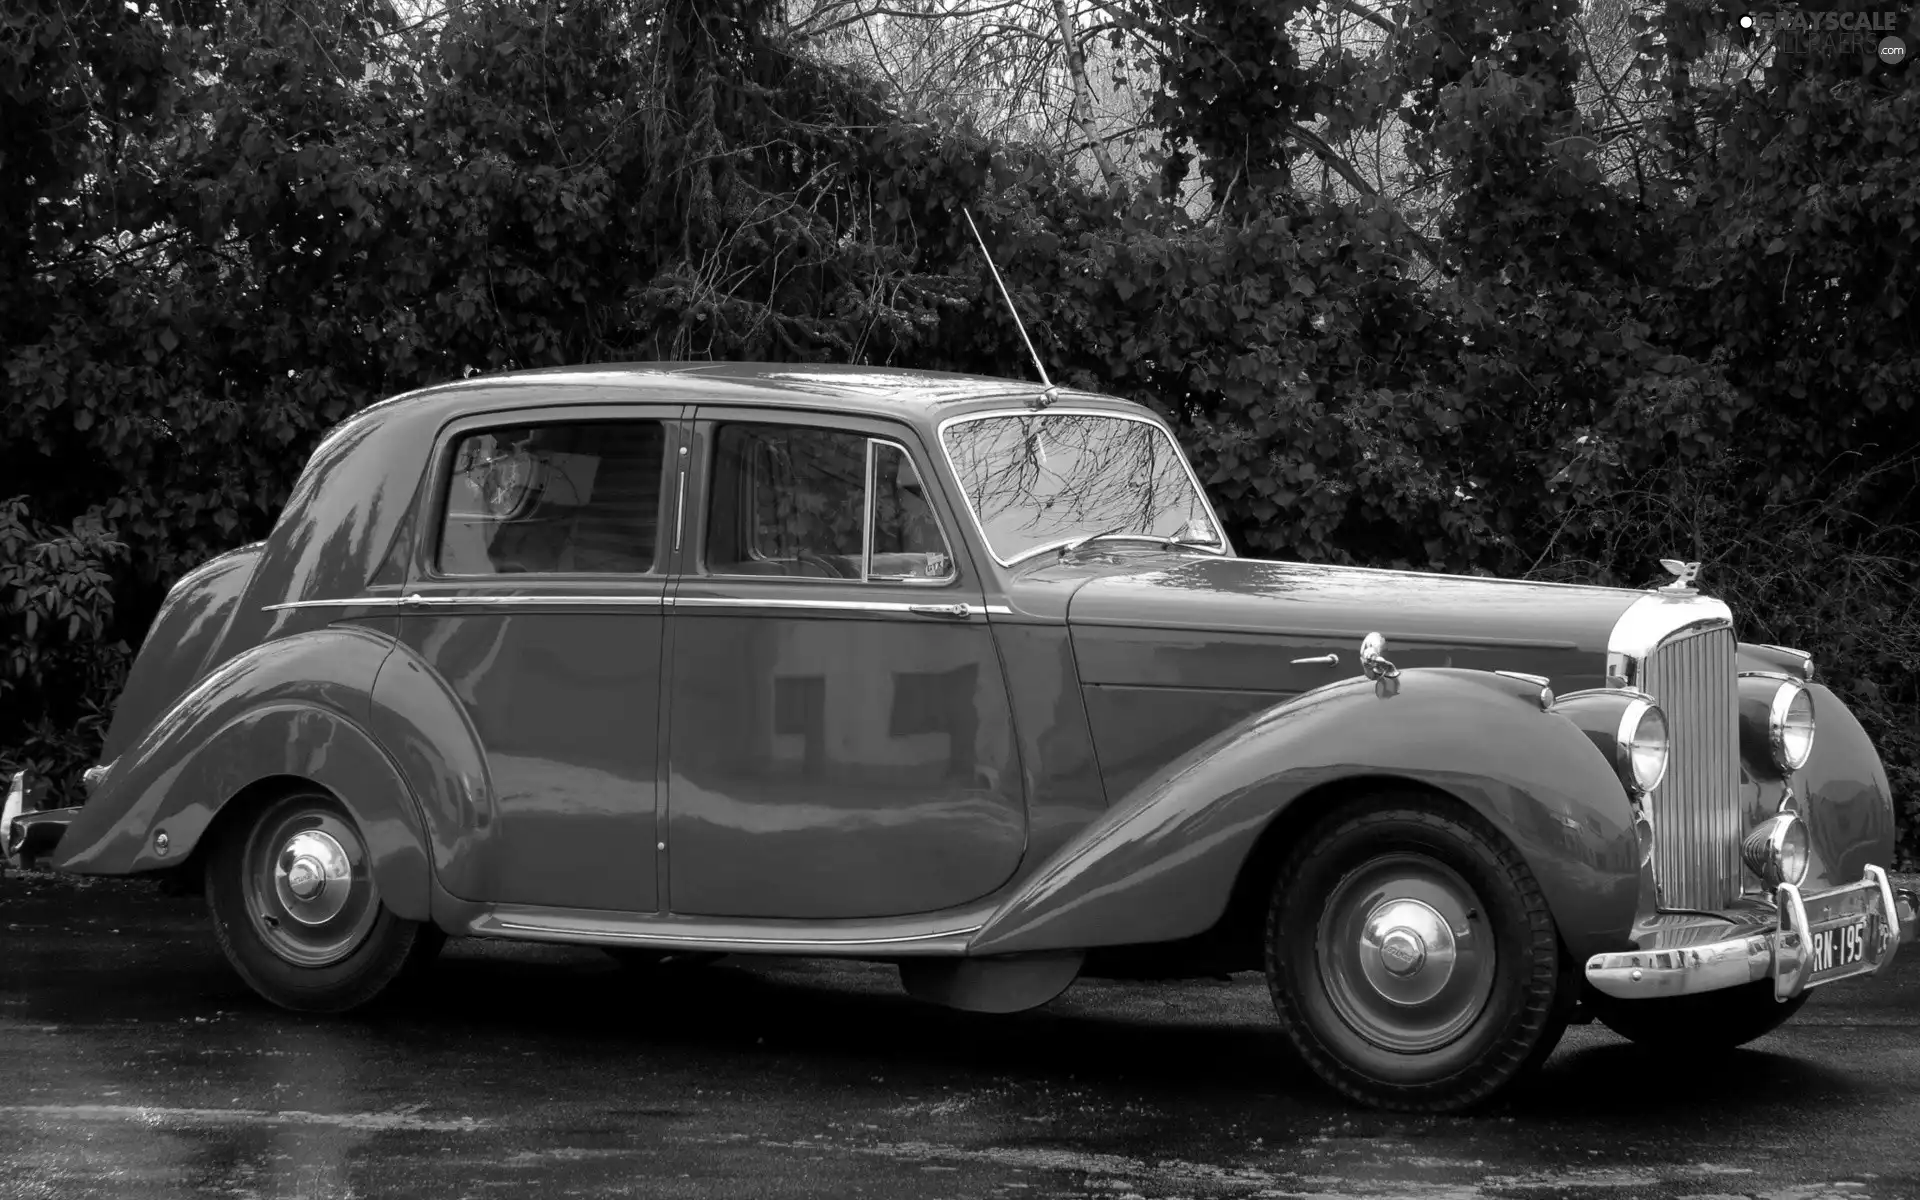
[{"x": 174, "y": 655}]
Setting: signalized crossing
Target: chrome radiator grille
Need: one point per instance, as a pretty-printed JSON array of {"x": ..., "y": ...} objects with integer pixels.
[{"x": 1696, "y": 809}]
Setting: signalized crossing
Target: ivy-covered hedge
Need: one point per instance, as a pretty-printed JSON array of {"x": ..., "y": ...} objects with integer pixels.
[{"x": 224, "y": 226}]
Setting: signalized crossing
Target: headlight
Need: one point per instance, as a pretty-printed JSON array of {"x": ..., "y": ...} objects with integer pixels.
[
  {"x": 1790, "y": 726},
  {"x": 1641, "y": 750},
  {"x": 1776, "y": 850}
]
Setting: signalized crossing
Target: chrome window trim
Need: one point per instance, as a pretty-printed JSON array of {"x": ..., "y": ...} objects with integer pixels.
[
  {"x": 426, "y": 554},
  {"x": 866, "y": 518},
  {"x": 952, "y": 576},
  {"x": 966, "y": 502}
]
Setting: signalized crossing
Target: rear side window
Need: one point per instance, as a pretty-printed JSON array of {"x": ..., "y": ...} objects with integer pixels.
[{"x": 573, "y": 497}]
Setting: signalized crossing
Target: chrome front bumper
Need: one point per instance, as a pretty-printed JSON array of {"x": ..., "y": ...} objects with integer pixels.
[{"x": 1784, "y": 952}]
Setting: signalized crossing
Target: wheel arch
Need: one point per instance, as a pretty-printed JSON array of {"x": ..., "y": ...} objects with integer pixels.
[
  {"x": 280, "y": 713},
  {"x": 1241, "y": 928}
]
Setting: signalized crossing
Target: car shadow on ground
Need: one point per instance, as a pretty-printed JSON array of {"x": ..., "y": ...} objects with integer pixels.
[
  {"x": 1203, "y": 1043},
  {"x": 1192, "y": 1039}
]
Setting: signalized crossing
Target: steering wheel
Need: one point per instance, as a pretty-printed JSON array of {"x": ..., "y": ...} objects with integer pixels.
[{"x": 821, "y": 561}]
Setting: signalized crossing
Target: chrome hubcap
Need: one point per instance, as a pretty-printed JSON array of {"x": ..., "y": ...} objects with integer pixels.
[
  {"x": 1405, "y": 952},
  {"x": 312, "y": 877},
  {"x": 308, "y": 888}
]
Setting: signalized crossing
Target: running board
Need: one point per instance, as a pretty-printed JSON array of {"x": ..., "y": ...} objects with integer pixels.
[{"x": 888, "y": 938}]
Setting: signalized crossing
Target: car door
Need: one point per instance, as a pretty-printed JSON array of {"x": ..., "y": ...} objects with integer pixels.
[
  {"x": 536, "y": 597},
  {"x": 839, "y": 739}
]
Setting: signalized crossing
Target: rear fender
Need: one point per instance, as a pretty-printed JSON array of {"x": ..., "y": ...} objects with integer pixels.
[
  {"x": 294, "y": 707},
  {"x": 1162, "y": 864}
]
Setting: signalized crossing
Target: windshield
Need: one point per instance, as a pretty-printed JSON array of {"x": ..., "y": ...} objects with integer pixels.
[{"x": 1041, "y": 480}]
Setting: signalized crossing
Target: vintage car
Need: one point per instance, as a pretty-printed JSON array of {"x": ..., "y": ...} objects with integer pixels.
[{"x": 960, "y": 674}]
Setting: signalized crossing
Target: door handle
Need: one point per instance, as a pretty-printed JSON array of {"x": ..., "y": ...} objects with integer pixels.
[
  {"x": 1322, "y": 660},
  {"x": 939, "y": 610}
]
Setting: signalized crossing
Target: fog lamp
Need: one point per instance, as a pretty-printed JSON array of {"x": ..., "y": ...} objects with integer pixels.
[{"x": 1777, "y": 851}]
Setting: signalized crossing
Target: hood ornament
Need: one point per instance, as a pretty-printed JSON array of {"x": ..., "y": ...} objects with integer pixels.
[{"x": 1683, "y": 574}]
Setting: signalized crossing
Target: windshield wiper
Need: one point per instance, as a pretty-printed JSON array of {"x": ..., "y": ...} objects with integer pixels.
[
  {"x": 1067, "y": 548},
  {"x": 1122, "y": 530}
]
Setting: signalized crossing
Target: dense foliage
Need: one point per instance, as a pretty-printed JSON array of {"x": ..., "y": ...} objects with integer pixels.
[{"x": 224, "y": 224}]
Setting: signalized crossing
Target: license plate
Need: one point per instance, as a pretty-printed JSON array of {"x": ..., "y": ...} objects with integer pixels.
[{"x": 1838, "y": 946}]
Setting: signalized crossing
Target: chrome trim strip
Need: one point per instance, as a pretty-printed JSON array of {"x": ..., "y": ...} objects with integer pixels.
[
  {"x": 1627, "y": 692},
  {"x": 411, "y": 601},
  {"x": 680, "y": 511},
  {"x": 966, "y": 502},
  {"x": 418, "y": 602},
  {"x": 1337, "y": 634},
  {"x": 868, "y": 606}
]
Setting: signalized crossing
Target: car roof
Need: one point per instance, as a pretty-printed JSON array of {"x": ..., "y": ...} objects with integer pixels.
[{"x": 920, "y": 396}]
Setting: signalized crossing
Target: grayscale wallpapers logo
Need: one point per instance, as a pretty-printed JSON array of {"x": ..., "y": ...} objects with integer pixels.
[{"x": 1807, "y": 31}]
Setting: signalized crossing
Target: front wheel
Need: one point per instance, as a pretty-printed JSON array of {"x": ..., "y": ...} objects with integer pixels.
[
  {"x": 1708, "y": 1021},
  {"x": 296, "y": 910},
  {"x": 1411, "y": 956}
]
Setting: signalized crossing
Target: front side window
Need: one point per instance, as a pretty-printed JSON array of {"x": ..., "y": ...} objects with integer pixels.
[
  {"x": 799, "y": 502},
  {"x": 578, "y": 496},
  {"x": 1036, "y": 481}
]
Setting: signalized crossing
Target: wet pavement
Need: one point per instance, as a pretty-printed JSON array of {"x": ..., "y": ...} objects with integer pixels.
[{"x": 134, "y": 1064}]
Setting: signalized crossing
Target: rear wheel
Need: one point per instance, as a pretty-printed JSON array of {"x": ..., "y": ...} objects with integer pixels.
[
  {"x": 1708, "y": 1021},
  {"x": 296, "y": 910},
  {"x": 1411, "y": 956}
]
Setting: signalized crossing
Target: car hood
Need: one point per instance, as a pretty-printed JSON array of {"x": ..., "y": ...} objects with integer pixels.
[{"x": 1240, "y": 623}]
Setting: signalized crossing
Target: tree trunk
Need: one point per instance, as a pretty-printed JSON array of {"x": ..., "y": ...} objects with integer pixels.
[{"x": 1083, "y": 94}]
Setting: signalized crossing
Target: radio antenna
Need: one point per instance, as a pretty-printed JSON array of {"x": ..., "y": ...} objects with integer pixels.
[{"x": 1047, "y": 394}]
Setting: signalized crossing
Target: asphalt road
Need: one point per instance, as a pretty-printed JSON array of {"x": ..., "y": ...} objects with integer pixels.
[{"x": 134, "y": 1064}]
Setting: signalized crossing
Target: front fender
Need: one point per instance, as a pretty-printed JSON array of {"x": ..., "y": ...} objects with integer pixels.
[
  {"x": 1161, "y": 865},
  {"x": 291, "y": 707},
  {"x": 1844, "y": 796}
]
